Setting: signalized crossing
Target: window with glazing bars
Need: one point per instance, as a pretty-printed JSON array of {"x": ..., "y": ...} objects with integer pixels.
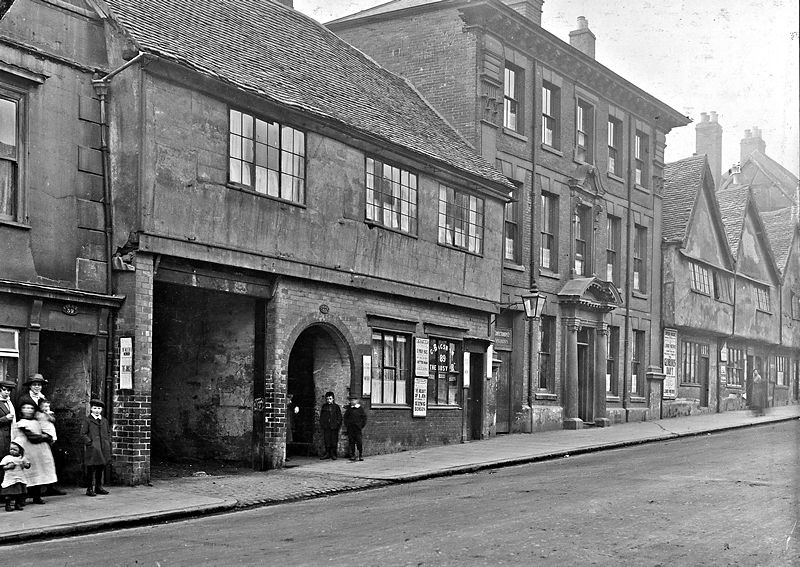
[
  {"x": 638, "y": 362},
  {"x": 512, "y": 98},
  {"x": 391, "y": 196},
  {"x": 614, "y": 145},
  {"x": 9, "y": 157},
  {"x": 460, "y": 220},
  {"x": 736, "y": 363},
  {"x": 549, "y": 244},
  {"x": 762, "y": 298},
  {"x": 640, "y": 152},
  {"x": 701, "y": 279},
  {"x": 445, "y": 370},
  {"x": 583, "y": 235},
  {"x": 584, "y": 133},
  {"x": 550, "y": 112},
  {"x": 391, "y": 380},
  {"x": 612, "y": 352},
  {"x": 614, "y": 235},
  {"x": 640, "y": 258},
  {"x": 512, "y": 228},
  {"x": 547, "y": 346}
]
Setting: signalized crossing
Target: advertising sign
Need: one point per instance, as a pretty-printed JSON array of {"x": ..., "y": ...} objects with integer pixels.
[
  {"x": 366, "y": 375},
  {"x": 503, "y": 338},
  {"x": 670, "y": 363},
  {"x": 421, "y": 357},
  {"x": 126, "y": 363},
  {"x": 420, "y": 408},
  {"x": 466, "y": 370}
]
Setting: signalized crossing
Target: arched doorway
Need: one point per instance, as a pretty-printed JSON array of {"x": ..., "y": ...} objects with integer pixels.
[{"x": 319, "y": 361}]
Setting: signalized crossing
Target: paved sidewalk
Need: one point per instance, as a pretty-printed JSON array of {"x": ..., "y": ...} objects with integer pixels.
[{"x": 185, "y": 497}]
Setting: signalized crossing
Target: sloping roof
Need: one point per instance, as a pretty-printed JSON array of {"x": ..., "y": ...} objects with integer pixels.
[
  {"x": 733, "y": 207},
  {"x": 392, "y": 6},
  {"x": 683, "y": 180},
  {"x": 780, "y": 231},
  {"x": 779, "y": 175},
  {"x": 282, "y": 55}
]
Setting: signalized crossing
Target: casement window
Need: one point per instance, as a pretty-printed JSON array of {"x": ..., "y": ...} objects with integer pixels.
[
  {"x": 640, "y": 259},
  {"x": 691, "y": 353},
  {"x": 638, "y": 363},
  {"x": 460, "y": 220},
  {"x": 701, "y": 279},
  {"x": 584, "y": 132},
  {"x": 762, "y": 298},
  {"x": 736, "y": 362},
  {"x": 445, "y": 371},
  {"x": 513, "y": 99},
  {"x": 795, "y": 305},
  {"x": 391, "y": 372},
  {"x": 549, "y": 245},
  {"x": 512, "y": 235},
  {"x": 267, "y": 157},
  {"x": 781, "y": 369},
  {"x": 547, "y": 348},
  {"x": 11, "y": 155},
  {"x": 583, "y": 235},
  {"x": 614, "y": 145},
  {"x": 551, "y": 108},
  {"x": 612, "y": 352},
  {"x": 640, "y": 153},
  {"x": 614, "y": 235},
  {"x": 722, "y": 287},
  {"x": 391, "y": 196},
  {"x": 9, "y": 354}
]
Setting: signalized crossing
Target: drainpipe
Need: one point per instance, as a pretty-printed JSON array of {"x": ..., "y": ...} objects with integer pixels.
[
  {"x": 100, "y": 85},
  {"x": 627, "y": 343}
]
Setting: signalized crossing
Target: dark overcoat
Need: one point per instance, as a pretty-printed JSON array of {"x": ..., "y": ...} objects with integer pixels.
[{"x": 96, "y": 441}]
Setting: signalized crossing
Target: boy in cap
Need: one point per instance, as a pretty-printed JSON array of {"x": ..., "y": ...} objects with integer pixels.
[
  {"x": 355, "y": 418},
  {"x": 97, "y": 447},
  {"x": 330, "y": 420}
]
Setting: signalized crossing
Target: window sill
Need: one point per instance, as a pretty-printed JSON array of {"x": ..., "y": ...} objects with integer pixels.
[
  {"x": 615, "y": 177},
  {"x": 249, "y": 191},
  {"x": 373, "y": 224},
  {"x": 733, "y": 386},
  {"x": 544, "y": 396},
  {"x": 15, "y": 224},
  {"x": 764, "y": 312},
  {"x": 516, "y": 267},
  {"x": 552, "y": 150},
  {"x": 615, "y": 399},
  {"x": 698, "y": 292},
  {"x": 445, "y": 408},
  {"x": 545, "y": 273},
  {"x": 390, "y": 406},
  {"x": 637, "y": 399},
  {"x": 639, "y": 294},
  {"x": 641, "y": 188},
  {"x": 513, "y": 134},
  {"x": 689, "y": 385},
  {"x": 464, "y": 250},
  {"x": 781, "y": 387}
]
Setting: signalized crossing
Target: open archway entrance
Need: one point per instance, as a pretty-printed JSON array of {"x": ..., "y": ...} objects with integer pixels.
[{"x": 319, "y": 361}]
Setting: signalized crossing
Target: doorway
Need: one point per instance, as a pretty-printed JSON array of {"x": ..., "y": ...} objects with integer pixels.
[
  {"x": 585, "y": 376},
  {"x": 704, "y": 376},
  {"x": 477, "y": 370},
  {"x": 503, "y": 394}
]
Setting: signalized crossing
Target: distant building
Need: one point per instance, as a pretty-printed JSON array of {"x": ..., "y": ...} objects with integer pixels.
[{"x": 585, "y": 149}]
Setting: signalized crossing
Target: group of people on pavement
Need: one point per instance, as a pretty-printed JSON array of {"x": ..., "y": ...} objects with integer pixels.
[
  {"x": 28, "y": 468},
  {"x": 330, "y": 421}
]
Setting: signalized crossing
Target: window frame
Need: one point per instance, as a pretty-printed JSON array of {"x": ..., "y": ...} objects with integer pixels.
[
  {"x": 736, "y": 366},
  {"x": 638, "y": 361},
  {"x": 16, "y": 199},
  {"x": 722, "y": 287},
  {"x": 404, "y": 187},
  {"x": 781, "y": 370},
  {"x": 614, "y": 141},
  {"x": 639, "y": 273},
  {"x": 296, "y": 176},
  {"x": 547, "y": 359},
  {"x": 612, "y": 354},
  {"x": 471, "y": 231},
  {"x": 795, "y": 305},
  {"x": 613, "y": 245},
  {"x": 640, "y": 152},
  {"x": 378, "y": 386},
  {"x": 701, "y": 279},
  {"x": 511, "y": 228},
  {"x": 551, "y": 110},
  {"x": 582, "y": 222},
  {"x": 763, "y": 302},
  {"x": 584, "y": 131},
  {"x": 549, "y": 219},
  {"x": 454, "y": 365},
  {"x": 513, "y": 97},
  {"x": 9, "y": 356}
]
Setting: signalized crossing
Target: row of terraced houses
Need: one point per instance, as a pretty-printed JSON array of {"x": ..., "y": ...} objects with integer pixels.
[{"x": 459, "y": 218}]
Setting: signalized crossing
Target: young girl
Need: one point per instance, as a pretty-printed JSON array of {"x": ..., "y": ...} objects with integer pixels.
[
  {"x": 36, "y": 446},
  {"x": 13, "y": 487}
]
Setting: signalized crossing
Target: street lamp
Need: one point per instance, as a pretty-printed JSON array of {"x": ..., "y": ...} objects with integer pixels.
[{"x": 533, "y": 302}]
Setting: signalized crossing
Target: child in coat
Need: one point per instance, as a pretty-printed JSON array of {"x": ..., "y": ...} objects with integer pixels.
[
  {"x": 330, "y": 421},
  {"x": 13, "y": 486},
  {"x": 97, "y": 447},
  {"x": 355, "y": 418}
]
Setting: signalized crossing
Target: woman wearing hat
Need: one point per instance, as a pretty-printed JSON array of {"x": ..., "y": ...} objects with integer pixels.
[
  {"x": 34, "y": 393},
  {"x": 96, "y": 447}
]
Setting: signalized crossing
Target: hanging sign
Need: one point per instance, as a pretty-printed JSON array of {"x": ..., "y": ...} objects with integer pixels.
[
  {"x": 126, "y": 363},
  {"x": 421, "y": 357},
  {"x": 420, "y": 408},
  {"x": 670, "y": 363}
]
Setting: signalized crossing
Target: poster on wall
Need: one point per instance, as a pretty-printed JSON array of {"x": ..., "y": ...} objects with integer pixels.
[
  {"x": 421, "y": 357},
  {"x": 420, "y": 408},
  {"x": 670, "y": 363},
  {"x": 366, "y": 375},
  {"x": 126, "y": 363},
  {"x": 723, "y": 375}
]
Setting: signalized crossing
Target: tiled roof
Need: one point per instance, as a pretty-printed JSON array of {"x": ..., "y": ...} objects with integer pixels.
[
  {"x": 733, "y": 206},
  {"x": 284, "y": 56},
  {"x": 683, "y": 180},
  {"x": 780, "y": 232},
  {"x": 775, "y": 171}
]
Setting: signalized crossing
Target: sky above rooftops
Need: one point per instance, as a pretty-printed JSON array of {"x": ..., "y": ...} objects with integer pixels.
[{"x": 739, "y": 58}]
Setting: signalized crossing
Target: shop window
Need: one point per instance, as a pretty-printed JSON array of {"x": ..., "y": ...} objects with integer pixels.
[
  {"x": 551, "y": 108},
  {"x": 391, "y": 196},
  {"x": 512, "y": 235},
  {"x": 690, "y": 362},
  {"x": 460, "y": 220},
  {"x": 513, "y": 97},
  {"x": 391, "y": 381},
  {"x": 781, "y": 369},
  {"x": 583, "y": 235},
  {"x": 549, "y": 245},
  {"x": 445, "y": 371},
  {"x": 614, "y": 145},
  {"x": 736, "y": 363},
  {"x": 614, "y": 235},
  {"x": 638, "y": 363},
  {"x": 547, "y": 347},
  {"x": 612, "y": 352},
  {"x": 267, "y": 157},
  {"x": 584, "y": 132},
  {"x": 640, "y": 259},
  {"x": 701, "y": 279},
  {"x": 12, "y": 152},
  {"x": 9, "y": 354}
]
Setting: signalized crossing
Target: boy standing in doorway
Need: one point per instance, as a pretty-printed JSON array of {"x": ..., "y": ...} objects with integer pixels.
[{"x": 330, "y": 420}]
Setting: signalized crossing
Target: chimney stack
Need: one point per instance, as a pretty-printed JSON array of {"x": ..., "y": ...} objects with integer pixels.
[
  {"x": 751, "y": 142},
  {"x": 708, "y": 140},
  {"x": 531, "y": 9},
  {"x": 583, "y": 38}
]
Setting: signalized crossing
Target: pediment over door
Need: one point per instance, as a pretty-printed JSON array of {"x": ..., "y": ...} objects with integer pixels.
[{"x": 593, "y": 294}]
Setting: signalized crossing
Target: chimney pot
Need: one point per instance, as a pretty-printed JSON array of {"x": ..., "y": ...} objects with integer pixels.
[
  {"x": 703, "y": 117},
  {"x": 747, "y": 133},
  {"x": 713, "y": 116},
  {"x": 583, "y": 23}
]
